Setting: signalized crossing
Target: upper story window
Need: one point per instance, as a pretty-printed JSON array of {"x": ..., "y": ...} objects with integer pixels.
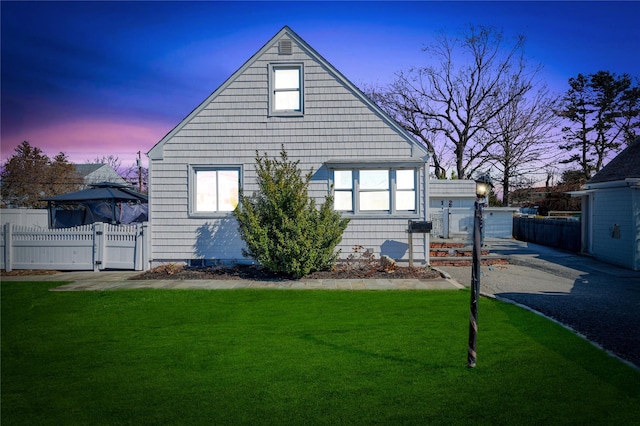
[
  {"x": 286, "y": 89},
  {"x": 375, "y": 190},
  {"x": 213, "y": 190}
]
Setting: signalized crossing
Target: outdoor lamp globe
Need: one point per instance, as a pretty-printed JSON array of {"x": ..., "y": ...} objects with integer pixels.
[
  {"x": 483, "y": 185},
  {"x": 481, "y": 189}
]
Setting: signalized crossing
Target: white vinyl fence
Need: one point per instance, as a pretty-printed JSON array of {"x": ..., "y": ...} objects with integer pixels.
[
  {"x": 25, "y": 217},
  {"x": 452, "y": 222},
  {"x": 84, "y": 248},
  {"x": 458, "y": 222},
  {"x": 437, "y": 224}
]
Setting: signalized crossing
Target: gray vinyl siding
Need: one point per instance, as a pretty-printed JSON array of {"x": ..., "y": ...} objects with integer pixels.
[
  {"x": 235, "y": 123},
  {"x": 451, "y": 193},
  {"x": 621, "y": 207}
]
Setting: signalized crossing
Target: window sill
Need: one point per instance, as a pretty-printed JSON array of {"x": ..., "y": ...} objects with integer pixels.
[
  {"x": 211, "y": 215},
  {"x": 381, "y": 215},
  {"x": 285, "y": 114}
]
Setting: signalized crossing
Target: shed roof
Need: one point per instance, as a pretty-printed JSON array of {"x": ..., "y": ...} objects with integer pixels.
[{"x": 624, "y": 166}]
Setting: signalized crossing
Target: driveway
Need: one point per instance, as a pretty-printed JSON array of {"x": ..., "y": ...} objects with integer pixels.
[{"x": 597, "y": 300}]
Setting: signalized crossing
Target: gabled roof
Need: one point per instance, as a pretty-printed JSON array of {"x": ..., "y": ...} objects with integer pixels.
[
  {"x": 98, "y": 172},
  {"x": 86, "y": 169},
  {"x": 624, "y": 166},
  {"x": 156, "y": 151}
]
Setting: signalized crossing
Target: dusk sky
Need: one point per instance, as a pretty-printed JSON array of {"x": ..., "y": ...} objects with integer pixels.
[{"x": 112, "y": 78}]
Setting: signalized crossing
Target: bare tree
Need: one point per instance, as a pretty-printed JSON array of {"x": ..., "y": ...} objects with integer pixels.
[
  {"x": 450, "y": 106},
  {"x": 523, "y": 132},
  {"x": 136, "y": 176},
  {"x": 110, "y": 160}
]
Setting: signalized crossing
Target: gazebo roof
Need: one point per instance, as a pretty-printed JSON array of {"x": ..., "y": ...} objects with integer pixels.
[{"x": 100, "y": 191}]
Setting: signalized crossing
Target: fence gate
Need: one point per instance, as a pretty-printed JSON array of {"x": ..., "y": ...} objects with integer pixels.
[
  {"x": 118, "y": 246},
  {"x": 90, "y": 247}
]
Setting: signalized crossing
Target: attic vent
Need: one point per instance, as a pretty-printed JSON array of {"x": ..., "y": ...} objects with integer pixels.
[{"x": 285, "y": 47}]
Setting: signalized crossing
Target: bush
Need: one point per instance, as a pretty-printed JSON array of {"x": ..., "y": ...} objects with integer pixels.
[{"x": 283, "y": 229}]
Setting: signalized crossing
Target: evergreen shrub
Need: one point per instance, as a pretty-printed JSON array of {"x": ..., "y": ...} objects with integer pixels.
[{"x": 282, "y": 227}]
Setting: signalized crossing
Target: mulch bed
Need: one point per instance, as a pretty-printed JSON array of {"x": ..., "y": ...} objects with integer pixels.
[
  {"x": 24, "y": 272},
  {"x": 253, "y": 272}
]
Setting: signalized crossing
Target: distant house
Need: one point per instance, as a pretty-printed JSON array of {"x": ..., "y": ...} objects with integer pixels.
[
  {"x": 611, "y": 210},
  {"x": 287, "y": 95},
  {"x": 529, "y": 196},
  {"x": 452, "y": 193},
  {"x": 451, "y": 204},
  {"x": 97, "y": 173}
]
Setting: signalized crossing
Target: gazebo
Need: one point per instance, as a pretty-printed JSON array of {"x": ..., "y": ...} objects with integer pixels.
[{"x": 103, "y": 202}]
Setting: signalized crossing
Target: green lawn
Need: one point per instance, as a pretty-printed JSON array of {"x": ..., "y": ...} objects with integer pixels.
[{"x": 295, "y": 357}]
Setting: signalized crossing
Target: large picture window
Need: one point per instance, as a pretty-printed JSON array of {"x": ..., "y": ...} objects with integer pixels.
[
  {"x": 286, "y": 89},
  {"x": 214, "y": 190},
  {"x": 375, "y": 190}
]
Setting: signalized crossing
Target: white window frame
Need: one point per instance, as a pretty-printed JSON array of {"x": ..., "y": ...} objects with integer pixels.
[
  {"x": 393, "y": 190},
  {"x": 273, "y": 68},
  {"x": 193, "y": 190}
]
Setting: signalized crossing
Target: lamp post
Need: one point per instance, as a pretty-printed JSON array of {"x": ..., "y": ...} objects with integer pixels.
[{"x": 483, "y": 186}]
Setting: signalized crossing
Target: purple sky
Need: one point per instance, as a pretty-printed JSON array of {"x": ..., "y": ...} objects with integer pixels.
[{"x": 112, "y": 78}]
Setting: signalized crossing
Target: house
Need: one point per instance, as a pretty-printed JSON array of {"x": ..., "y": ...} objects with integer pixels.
[
  {"x": 286, "y": 95},
  {"x": 525, "y": 197},
  {"x": 451, "y": 206},
  {"x": 97, "y": 173},
  {"x": 456, "y": 193},
  {"x": 611, "y": 210}
]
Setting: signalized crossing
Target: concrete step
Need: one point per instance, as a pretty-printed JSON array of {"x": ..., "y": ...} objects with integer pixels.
[
  {"x": 455, "y": 252},
  {"x": 491, "y": 259},
  {"x": 447, "y": 244},
  {"x": 451, "y": 252}
]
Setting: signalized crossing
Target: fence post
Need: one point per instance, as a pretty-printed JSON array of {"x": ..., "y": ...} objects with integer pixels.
[
  {"x": 8, "y": 246},
  {"x": 146, "y": 245},
  {"x": 445, "y": 222},
  {"x": 138, "y": 250},
  {"x": 98, "y": 246}
]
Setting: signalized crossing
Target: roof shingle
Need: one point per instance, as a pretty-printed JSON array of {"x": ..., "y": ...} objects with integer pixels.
[{"x": 625, "y": 165}]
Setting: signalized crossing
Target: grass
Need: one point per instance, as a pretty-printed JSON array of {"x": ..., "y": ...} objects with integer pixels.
[{"x": 295, "y": 357}]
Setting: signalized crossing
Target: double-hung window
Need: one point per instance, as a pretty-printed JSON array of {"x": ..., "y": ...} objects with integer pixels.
[
  {"x": 213, "y": 190},
  {"x": 343, "y": 190},
  {"x": 286, "y": 97},
  {"x": 405, "y": 190},
  {"x": 363, "y": 191}
]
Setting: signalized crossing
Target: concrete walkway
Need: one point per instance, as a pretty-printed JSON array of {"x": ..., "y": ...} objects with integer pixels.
[{"x": 100, "y": 281}]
